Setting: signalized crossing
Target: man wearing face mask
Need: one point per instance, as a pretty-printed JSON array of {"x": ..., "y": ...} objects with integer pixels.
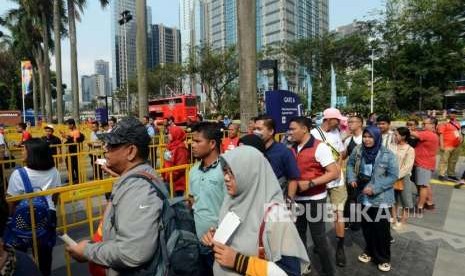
[{"x": 280, "y": 157}]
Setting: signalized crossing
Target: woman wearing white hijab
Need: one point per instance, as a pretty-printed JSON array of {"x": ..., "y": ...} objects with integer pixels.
[{"x": 252, "y": 188}]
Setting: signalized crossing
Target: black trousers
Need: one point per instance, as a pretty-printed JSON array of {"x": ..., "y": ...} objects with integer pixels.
[
  {"x": 377, "y": 234},
  {"x": 350, "y": 208},
  {"x": 314, "y": 213}
]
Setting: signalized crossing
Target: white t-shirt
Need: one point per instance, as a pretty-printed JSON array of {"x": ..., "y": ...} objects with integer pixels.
[
  {"x": 2, "y": 140},
  {"x": 323, "y": 156},
  {"x": 357, "y": 140},
  {"x": 334, "y": 138},
  {"x": 40, "y": 181}
]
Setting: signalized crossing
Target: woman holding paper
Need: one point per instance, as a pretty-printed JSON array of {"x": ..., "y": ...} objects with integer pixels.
[{"x": 266, "y": 241}]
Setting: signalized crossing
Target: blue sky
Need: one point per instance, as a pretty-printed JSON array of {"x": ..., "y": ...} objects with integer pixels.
[{"x": 94, "y": 31}]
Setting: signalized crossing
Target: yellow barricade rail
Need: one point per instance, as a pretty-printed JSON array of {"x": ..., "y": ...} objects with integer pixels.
[
  {"x": 85, "y": 158},
  {"x": 88, "y": 195}
]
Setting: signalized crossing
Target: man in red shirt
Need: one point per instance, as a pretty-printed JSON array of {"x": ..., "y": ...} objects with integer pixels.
[
  {"x": 450, "y": 139},
  {"x": 25, "y": 135},
  {"x": 232, "y": 140},
  {"x": 425, "y": 161}
]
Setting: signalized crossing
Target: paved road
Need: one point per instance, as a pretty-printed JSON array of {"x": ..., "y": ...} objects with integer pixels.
[{"x": 433, "y": 245}]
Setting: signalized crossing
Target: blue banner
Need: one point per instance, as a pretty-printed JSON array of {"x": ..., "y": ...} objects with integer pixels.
[{"x": 282, "y": 106}]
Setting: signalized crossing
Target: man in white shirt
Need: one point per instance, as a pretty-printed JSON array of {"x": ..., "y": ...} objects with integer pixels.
[
  {"x": 384, "y": 124},
  {"x": 350, "y": 143},
  {"x": 329, "y": 133}
]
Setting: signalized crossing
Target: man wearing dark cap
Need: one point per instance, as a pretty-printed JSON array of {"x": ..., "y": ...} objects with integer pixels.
[{"x": 131, "y": 221}]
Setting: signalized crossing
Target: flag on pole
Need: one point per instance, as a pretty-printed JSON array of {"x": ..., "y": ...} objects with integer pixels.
[
  {"x": 308, "y": 81},
  {"x": 333, "y": 87},
  {"x": 26, "y": 77}
]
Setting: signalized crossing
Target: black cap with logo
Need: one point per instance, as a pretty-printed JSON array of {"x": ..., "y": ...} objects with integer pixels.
[{"x": 129, "y": 130}]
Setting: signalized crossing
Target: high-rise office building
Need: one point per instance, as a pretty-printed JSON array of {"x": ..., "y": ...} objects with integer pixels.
[
  {"x": 193, "y": 25},
  {"x": 92, "y": 87},
  {"x": 192, "y": 22},
  {"x": 124, "y": 41},
  {"x": 102, "y": 67},
  {"x": 278, "y": 21},
  {"x": 165, "y": 45}
]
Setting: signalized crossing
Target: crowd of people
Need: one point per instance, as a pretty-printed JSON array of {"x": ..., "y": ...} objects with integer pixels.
[{"x": 371, "y": 178}]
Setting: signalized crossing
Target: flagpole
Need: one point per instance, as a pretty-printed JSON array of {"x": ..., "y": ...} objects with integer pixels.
[{"x": 24, "y": 108}]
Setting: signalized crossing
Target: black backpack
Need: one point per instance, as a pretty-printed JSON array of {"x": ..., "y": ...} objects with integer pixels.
[{"x": 178, "y": 251}]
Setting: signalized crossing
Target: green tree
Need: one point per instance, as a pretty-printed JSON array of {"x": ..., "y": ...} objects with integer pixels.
[
  {"x": 218, "y": 71},
  {"x": 347, "y": 54},
  {"x": 423, "y": 51}
]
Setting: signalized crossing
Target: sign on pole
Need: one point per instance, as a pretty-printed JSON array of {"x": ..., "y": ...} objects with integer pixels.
[{"x": 282, "y": 106}]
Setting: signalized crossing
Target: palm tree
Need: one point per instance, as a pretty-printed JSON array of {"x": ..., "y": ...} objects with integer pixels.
[
  {"x": 57, "y": 30},
  {"x": 141, "y": 51},
  {"x": 28, "y": 29},
  {"x": 246, "y": 17},
  {"x": 72, "y": 16}
]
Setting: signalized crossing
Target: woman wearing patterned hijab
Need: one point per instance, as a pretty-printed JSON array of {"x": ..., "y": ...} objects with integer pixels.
[
  {"x": 254, "y": 195},
  {"x": 373, "y": 169}
]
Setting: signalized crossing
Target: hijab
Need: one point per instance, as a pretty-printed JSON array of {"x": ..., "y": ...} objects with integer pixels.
[
  {"x": 369, "y": 154},
  {"x": 178, "y": 138},
  {"x": 257, "y": 187}
]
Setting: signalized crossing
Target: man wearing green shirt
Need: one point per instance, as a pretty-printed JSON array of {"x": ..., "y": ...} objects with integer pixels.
[{"x": 206, "y": 182}]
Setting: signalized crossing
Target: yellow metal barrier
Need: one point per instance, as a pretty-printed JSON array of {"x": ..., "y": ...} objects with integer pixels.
[{"x": 83, "y": 194}]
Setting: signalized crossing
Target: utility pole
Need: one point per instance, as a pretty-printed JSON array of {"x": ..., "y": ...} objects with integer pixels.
[
  {"x": 246, "y": 22},
  {"x": 126, "y": 16}
]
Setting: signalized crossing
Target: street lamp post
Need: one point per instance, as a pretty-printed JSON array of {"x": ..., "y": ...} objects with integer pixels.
[
  {"x": 126, "y": 16},
  {"x": 372, "y": 78}
]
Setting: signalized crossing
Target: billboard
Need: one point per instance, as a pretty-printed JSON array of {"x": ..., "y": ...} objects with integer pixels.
[{"x": 282, "y": 106}]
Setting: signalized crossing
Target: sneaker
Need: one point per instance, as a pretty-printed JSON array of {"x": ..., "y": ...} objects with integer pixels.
[
  {"x": 458, "y": 186},
  {"x": 442, "y": 178},
  {"x": 398, "y": 226},
  {"x": 429, "y": 206},
  {"x": 364, "y": 258},
  {"x": 385, "y": 267},
  {"x": 340, "y": 257},
  {"x": 453, "y": 178}
]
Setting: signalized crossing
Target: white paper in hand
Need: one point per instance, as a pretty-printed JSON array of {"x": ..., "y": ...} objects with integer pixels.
[
  {"x": 69, "y": 241},
  {"x": 227, "y": 227}
]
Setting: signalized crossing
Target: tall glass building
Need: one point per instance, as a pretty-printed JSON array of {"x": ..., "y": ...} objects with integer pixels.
[{"x": 123, "y": 43}]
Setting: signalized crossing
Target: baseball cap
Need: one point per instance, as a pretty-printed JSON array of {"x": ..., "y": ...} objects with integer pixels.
[
  {"x": 49, "y": 127},
  {"x": 128, "y": 130},
  {"x": 333, "y": 113}
]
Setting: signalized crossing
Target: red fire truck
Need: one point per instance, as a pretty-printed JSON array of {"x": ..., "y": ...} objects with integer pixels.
[{"x": 179, "y": 107}]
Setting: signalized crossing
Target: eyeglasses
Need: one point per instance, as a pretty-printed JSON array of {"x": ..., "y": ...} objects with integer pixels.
[{"x": 111, "y": 147}]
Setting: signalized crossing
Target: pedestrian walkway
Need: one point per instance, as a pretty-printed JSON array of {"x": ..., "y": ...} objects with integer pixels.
[{"x": 431, "y": 245}]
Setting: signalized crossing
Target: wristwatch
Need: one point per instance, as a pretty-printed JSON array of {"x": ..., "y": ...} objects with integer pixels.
[{"x": 312, "y": 184}]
